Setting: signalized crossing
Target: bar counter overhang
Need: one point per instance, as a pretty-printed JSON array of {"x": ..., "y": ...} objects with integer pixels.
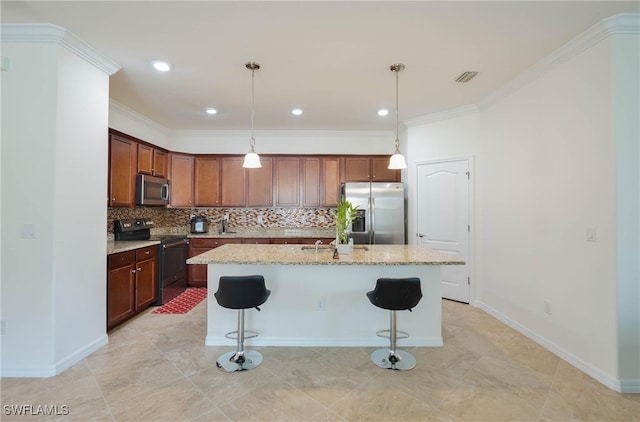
[{"x": 317, "y": 300}]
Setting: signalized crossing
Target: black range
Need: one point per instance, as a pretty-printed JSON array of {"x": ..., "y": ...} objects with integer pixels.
[{"x": 172, "y": 262}]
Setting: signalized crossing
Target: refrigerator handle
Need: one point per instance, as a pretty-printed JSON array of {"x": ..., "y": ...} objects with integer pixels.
[{"x": 372, "y": 210}]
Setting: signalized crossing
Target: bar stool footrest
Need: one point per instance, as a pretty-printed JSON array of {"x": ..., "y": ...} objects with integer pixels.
[
  {"x": 234, "y": 334},
  {"x": 387, "y": 334}
]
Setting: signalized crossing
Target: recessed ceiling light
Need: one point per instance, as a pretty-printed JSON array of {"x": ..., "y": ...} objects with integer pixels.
[
  {"x": 210, "y": 110},
  {"x": 161, "y": 66},
  {"x": 296, "y": 111},
  {"x": 383, "y": 112}
]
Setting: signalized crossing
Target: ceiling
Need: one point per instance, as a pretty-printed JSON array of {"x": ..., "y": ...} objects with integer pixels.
[{"x": 331, "y": 59}]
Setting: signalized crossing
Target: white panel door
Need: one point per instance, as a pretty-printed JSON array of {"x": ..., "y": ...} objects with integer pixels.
[{"x": 443, "y": 220}]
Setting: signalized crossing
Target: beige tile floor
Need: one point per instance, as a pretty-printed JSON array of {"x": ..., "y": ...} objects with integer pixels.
[{"x": 156, "y": 368}]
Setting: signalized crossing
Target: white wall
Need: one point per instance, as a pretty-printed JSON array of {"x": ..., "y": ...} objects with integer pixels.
[
  {"x": 545, "y": 171},
  {"x": 237, "y": 142},
  {"x": 28, "y": 95},
  {"x": 626, "y": 56},
  {"x": 54, "y": 167}
]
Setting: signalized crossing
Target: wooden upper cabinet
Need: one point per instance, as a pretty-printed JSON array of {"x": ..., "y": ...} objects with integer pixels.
[
  {"x": 331, "y": 179},
  {"x": 207, "y": 182},
  {"x": 287, "y": 184},
  {"x": 357, "y": 169},
  {"x": 122, "y": 171},
  {"x": 369, "y": 169},
  {"x": 233, "y": 179},
  {"x": 181, "y": 180},
  {"x": 380, "y": 171},
  {"x": 152, "y": 161},
  {"x": 311, "y": 182},
  {"x": 260, "y": 184},
  {"x": 159, "y": 163}
]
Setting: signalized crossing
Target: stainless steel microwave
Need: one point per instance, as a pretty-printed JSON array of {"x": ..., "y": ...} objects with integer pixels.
[{"x": 151, "y": 191}]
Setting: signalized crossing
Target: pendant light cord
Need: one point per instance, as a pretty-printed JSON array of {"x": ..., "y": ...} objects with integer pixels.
[
  {"x": 397, "y": 125},
  {"x": 252, "y": 141}
]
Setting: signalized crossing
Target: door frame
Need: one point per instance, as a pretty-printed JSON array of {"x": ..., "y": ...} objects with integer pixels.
[{"x": 472, "y": 221}]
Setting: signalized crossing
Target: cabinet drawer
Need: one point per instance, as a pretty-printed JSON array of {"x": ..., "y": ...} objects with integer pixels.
[
  {"x": 121, "y": 259},
  {"x": 146, "y": 253},
  {"x": 256, "y": 240},
  {"x": 211, "y": 242}
]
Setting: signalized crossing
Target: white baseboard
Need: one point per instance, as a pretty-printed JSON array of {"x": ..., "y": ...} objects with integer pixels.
[
  {"x": 621, "y": 386},
  {"x": 57, "y": 368}
]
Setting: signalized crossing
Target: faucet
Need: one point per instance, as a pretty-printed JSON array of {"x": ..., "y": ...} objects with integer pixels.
[{"x": 318, "y": 243}]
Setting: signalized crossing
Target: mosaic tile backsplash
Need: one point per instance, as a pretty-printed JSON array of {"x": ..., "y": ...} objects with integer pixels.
[{"x": 178, "y": 218}]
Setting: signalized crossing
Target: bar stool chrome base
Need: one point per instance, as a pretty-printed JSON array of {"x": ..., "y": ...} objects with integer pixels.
[
  {"x": 239, "y": 361},
  {"x": 397, "y": 361}
]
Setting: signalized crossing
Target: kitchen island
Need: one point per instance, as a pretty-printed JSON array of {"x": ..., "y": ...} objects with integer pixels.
[{"x": 317, "y": 300}]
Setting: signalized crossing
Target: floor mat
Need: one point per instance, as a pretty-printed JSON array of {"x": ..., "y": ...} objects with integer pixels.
[{"x": 183, "y": 303}]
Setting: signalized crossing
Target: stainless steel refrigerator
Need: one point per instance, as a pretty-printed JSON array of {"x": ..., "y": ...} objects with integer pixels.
[{"x": 381, "y": 216}]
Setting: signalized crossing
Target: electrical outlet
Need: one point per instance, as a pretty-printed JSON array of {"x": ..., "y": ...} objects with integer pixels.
[
  {"x": 591, "y": 234},
  {"x": 547, "y": 307},
  {"x": 260, "y": 219},
  {"x": 321, "y": 305},
  {"x": 321, "y": 219}
]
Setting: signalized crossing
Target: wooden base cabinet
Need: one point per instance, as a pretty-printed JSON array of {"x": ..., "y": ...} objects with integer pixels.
[
  {"x": 197, "y": 274},
  {"x": 132, "y": 283}
]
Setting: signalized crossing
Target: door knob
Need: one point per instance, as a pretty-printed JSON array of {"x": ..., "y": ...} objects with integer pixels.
[{"x": 420, "y": 235}]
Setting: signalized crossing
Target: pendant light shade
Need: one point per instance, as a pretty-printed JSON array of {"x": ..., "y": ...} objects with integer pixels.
[
  {"x": 252, "y": 160},
  {"x": 397, "y": 160}
]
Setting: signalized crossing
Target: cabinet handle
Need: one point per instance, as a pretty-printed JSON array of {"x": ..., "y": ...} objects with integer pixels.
[
  {"x": 139, "y": 269},
  {"x": 133, "y": 271},
  {"x": 146, "y": 253}
]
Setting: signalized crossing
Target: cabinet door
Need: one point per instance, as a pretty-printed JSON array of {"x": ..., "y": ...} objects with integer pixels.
[
  {"x": 120, "y": 294},
  {"x": 287, "y": 181},
  {"x": 181, "y": 180},
  {"x": 122, "y": 168},
  {"x": 159, "y": 163},
  {"x": 207, "y": 182},
  {"x": 331, "y": 181},
  {"x": 357, "y": 169},
  {"x": 260, "y": 184},
  {"x": 381, "y": 172},
  {"x": 233, "y": 179},
  {"x": 145, "y": 159},
  {"x": 146, "y": 279},
  {"x": 311, "y": 182}
]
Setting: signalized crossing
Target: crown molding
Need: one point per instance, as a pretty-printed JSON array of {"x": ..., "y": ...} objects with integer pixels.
[
  {"x": 139, "y": 117},
  {"x": 49, "y": 33},
  {"x": 622, "y": 24},
  {"x": 283, "y": 133},
  {"x": 443, "y": 115}
]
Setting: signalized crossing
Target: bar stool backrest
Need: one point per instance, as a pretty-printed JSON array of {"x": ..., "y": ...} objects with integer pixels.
[
  {"x": 396, "y": 294},
  {"x": 241, "y": 292}
]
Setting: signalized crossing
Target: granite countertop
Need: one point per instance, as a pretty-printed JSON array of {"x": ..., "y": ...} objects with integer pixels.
[
  {"x": 295, "y": 255},
  {"x": 240, "y": 232},
  {"x": 128, "y": 245}
]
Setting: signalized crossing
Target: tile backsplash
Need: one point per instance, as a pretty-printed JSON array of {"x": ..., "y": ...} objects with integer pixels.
[{"x": 238, "y": 217}]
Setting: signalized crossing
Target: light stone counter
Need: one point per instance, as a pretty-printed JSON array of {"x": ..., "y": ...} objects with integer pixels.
[
  {"x": 295, "y": 255},
  {"x": 128, "y": 245},
  {"x": 318, "y": 301},
  {"x": 269, "y": 232}
]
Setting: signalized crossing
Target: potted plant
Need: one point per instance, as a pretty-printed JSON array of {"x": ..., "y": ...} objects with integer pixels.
[{"x": 345, "y": 214}]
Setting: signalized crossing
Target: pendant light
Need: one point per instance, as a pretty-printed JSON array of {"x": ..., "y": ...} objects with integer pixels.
[
  {"x": 397, "y": 160},
  {"x": 252, "y": 160}
]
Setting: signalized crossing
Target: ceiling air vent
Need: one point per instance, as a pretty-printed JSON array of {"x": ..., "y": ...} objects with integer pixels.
[{"x": 466, "y": 76}]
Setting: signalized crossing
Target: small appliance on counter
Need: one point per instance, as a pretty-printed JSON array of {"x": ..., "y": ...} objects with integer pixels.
[{"x": 199, "y": 224}]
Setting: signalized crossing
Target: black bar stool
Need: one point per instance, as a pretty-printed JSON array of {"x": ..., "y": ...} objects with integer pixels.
[
  {"x": 241, "y": 292},
  {"x": 395, "y": 294}
]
